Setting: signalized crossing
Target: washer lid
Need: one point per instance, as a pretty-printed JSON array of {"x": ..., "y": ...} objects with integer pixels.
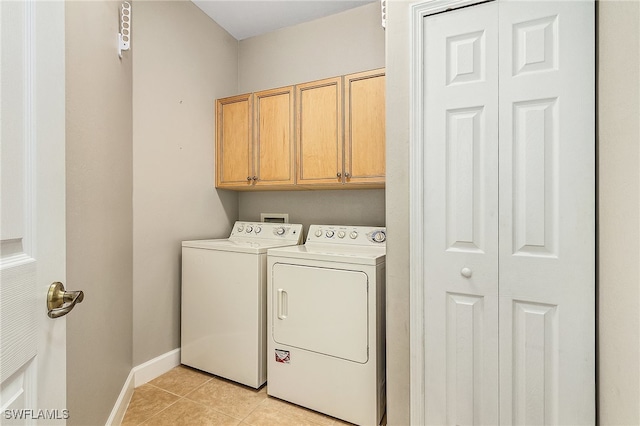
[
  {"x": 333, "y": 253},
  {"x": 239, "y": 246}
]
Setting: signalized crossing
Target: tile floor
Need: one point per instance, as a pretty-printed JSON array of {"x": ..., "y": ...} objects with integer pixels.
[{"x": 185, "y": 396}]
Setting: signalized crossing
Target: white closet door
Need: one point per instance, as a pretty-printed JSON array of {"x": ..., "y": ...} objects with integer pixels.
[
  {"x": 547, "y": 213},
  {"x": 509, "y": 214},
  {"x": 461, "y": 216}
]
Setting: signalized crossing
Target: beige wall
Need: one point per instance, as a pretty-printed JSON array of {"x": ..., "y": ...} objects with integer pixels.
[
  {"x": 619, "y": 212},
  {"x": 99, "y": 221},
  {"x": 344, "y": 43},
  {"x": 397, "y": 194},
  {"x": 183, "y": 61}
]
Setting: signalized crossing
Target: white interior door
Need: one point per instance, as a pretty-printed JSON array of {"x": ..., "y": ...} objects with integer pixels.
[
  {"x": 461, "y": 216},
  {"x": 32, "y": 228},
  {"x": 547, "y": 213},
  {"x": 509, "y": 214}
]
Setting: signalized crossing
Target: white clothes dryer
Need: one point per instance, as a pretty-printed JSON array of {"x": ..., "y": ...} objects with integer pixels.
[
  {"x": 224, "y": 292},
  {"x": 326, "y": 323}
]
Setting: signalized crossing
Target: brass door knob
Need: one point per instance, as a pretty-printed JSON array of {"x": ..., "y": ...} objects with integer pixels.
[{"x": 61, "y": 302}]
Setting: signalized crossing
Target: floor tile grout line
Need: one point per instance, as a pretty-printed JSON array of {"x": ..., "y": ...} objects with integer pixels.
[
  {"x": 208, "y": 379},
  {"x": 155, "y": 414},
  {"x": 214, "y": 409},
  {"x": 165, "y": 390},
  {"x": 147, "y": 418},
  {"x": 179, "y": 397}
]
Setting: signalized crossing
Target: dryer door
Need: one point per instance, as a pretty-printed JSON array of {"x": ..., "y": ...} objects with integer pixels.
[{"x": 321, "y": 310}]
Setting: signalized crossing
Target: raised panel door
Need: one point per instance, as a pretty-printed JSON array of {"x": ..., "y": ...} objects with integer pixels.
[
  {"x": 509, "y": 214},
  {"x": 33, "y": 347},
  {"x": 274, "y": 161},
  {"x": 319, "y": 132},
  {"x": 547, "y": 213},
  {"x": 234, "y": 142},
  {"x": 364, "y": 128},
  {"x": 461, "y": 216}
]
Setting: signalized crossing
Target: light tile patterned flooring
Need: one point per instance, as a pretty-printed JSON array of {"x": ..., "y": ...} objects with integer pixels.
[{"x": 185, "y": 396}]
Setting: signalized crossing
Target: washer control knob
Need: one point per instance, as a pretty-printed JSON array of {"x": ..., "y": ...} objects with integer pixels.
[
  {"x": 319, "y": 233},
  {"x": 280, "y": 230},
  {"x": 341, "y": 234},
  {"x": 353, "y": 235},
  {"x": 379, "y": 236},
  {"x": 240, "y": 228},
  {"x": 330, "y": 234},
  {"x": 249, "y": 228},
  {"x": 258, "y": 229}
]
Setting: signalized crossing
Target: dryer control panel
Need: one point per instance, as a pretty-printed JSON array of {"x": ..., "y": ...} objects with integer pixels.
[{"x": 348, "y": 235}]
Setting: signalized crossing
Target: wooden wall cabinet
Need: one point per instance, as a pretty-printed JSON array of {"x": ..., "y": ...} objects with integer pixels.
[
  {"x": 319, "y": 138},
  {"x": 233, "y": 142},
  {"x": 254, "y": 140},
  {"x": 339, "y": 131},
  {"x": 333, "y": 153},
  {"x": 274, "y": 148},
  {"x": 364, "y": 128}
]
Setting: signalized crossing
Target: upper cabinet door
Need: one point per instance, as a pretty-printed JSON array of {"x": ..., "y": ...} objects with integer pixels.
[
  {"x": 364, "y": 128},
  {"x": 319, "y": 132},
  {"x": 233, "y": 141},
  {"x": 274, "y": 161}
]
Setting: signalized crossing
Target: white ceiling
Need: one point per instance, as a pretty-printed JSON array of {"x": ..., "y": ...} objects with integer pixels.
[{"x": 248, "y": 18}]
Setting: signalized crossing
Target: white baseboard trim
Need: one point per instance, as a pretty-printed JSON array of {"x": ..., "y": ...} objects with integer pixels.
[
  {"x": 156, "y": 367},
  {"x": 138, "y": 376},
  {"x": 117, "y": 414}
]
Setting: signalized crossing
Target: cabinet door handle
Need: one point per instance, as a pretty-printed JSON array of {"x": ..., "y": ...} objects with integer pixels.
[
  {"x": 347, "y": 175},
  {"x": 339, "y": 174},
  {"x": 255, "y": 178},
  {"x": 248, "y": 178}
]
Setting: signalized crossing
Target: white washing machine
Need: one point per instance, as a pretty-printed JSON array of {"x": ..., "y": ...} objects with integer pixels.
[
  {"x": 326, "y": 323},
  {"x": 224, "y": 292}
]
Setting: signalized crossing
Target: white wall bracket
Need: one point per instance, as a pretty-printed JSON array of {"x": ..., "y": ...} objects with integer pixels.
[{"x": 125, "y": 28}]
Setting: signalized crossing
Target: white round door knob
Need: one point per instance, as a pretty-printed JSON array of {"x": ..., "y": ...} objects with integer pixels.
[{"x": 466, "y": 272}]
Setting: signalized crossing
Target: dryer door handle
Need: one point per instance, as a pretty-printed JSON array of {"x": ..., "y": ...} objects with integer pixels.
[{"x": 283, "y": 304}]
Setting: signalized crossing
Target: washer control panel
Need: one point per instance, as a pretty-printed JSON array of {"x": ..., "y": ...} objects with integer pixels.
[
  {"x": 353, "y": 235},
  {"x": 266, "y": 231}
]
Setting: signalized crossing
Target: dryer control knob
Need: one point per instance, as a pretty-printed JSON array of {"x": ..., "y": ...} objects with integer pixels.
[
  {"x": 249, "y": 228},
  {"x": 341, "y": 234},
  {"x": 353, "y": 235},
  {"x": 258, "y": 229},
  {"x": 319, "y": 233},
  {"x": 379, "y": 237},
  {"x": 280, "y": 230},
  {"x": 240, "y": 228},
  {"x": 330, "y": 234}
]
